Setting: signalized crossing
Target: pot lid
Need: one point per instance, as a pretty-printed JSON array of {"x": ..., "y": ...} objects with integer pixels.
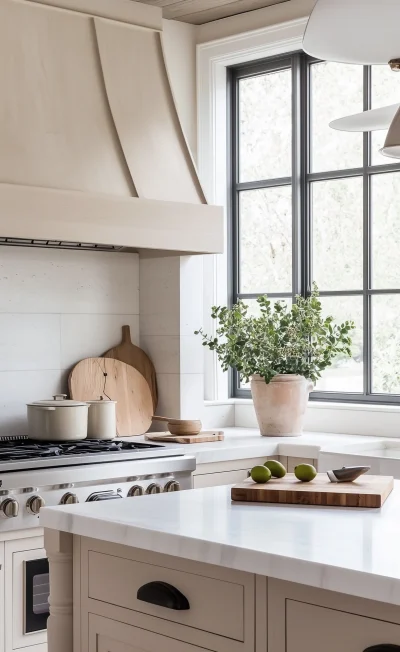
[
  {"x": 101, "y": 401},
  {"x": 59, "y": 400}
]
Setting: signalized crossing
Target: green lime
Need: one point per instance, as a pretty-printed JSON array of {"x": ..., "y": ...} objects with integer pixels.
[
  {"x": 305, "y": 472},
  {"x": 277, "y": 469},
  {"x": 260, "y": 474}
]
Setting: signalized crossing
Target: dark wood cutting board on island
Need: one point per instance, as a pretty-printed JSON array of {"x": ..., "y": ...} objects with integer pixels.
[{"x": 368, "y": 491}]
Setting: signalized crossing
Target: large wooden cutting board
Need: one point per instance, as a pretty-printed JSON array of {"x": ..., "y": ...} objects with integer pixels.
[
  {"x": 137, "y": 358},
  {"x": 115, "y": 380},
  {"x": 367, "y": 491}
]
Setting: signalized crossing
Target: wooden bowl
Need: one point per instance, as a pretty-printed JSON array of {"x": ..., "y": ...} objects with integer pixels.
[
  {"x": 184, "y": 427},
  {"x": 181, "y": 427}
]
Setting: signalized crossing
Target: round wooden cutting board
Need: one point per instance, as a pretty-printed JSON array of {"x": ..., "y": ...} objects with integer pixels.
[{"x": 115, "y": 380}]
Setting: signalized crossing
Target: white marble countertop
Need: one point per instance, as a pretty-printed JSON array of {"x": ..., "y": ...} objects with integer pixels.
[
  {"x": 351, "y": 550},
  {"x": 246, "y": 443}
]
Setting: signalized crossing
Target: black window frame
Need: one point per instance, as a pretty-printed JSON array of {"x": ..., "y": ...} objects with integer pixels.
[{"x": 301, "y": 180}]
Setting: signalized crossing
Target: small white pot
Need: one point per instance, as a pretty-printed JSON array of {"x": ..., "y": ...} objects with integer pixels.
[
  {"x": 280, "y": 405},
  {"x": 58, "y": 419},
  {"x": 102, "y": 423}
]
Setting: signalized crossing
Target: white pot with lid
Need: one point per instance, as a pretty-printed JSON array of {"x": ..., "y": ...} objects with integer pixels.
[
  {"x": 58, "y": 419},
  {"x": 102, "y": 423}
]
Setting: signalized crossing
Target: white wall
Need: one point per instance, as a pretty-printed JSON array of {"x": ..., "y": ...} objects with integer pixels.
[
  {"x": 171, "y": 291},
  {"x": 253, "y": 20},
  {"x": 57, "y": 307}
]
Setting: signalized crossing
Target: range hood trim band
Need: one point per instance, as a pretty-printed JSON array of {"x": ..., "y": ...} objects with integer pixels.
[{"x": 28, "y": 212}]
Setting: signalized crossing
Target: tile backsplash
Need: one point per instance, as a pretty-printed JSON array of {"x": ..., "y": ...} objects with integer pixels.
[{"x": 57, "y": 307}]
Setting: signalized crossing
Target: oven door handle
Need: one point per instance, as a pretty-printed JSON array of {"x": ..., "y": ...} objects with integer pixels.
[{"x": 163, "y": 595}]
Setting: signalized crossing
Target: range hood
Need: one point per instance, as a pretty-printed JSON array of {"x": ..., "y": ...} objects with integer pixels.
[{"x": 92, "y": 154}]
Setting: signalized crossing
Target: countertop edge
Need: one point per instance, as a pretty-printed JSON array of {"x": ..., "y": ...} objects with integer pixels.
[{"x": 348, "y": 581}]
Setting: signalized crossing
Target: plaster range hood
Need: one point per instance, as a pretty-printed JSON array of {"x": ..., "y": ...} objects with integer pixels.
[{"x": 92, "y": 154}]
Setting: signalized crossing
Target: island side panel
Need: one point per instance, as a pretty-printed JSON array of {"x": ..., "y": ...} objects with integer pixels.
[
  {"x": 327, "y": 619},
  {"x": 222, "y": 601},
  {"x": 59, "y": 549}
]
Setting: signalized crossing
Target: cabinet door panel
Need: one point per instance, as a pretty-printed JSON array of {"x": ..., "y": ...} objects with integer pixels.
[
  {"x": 2, "y": 593},
  {"x": 315, "y": 629},
  {"x": 106, "y": 644},
  {"x": 111, "y": 636},
  {"x": 294, "y": 461},
  {"x": 218, "y": 479}
]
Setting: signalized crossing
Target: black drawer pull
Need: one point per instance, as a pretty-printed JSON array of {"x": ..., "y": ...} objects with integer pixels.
[
  {"x": 165, "y": 595},
  {"x": 383, "y": 647}
]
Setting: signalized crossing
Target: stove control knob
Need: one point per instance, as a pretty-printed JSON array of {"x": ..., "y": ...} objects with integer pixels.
[
  {"x": 69, "y": 499},
  {"x": 154, "y": 489},
  {"x": 172, "y": 485},
  {"x": 135, "y": 490},
  {"x": 34, "y": 504},
  {"x": 9, "y": 508}
]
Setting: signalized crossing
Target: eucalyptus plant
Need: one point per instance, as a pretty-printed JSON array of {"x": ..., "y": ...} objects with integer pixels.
[{"x": 280, "y": 340}]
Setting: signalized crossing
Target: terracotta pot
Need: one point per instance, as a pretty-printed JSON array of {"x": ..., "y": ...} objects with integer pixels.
[{"x": 280, "y": 405}]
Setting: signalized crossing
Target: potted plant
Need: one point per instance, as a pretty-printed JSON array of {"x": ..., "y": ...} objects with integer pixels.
[{"x": 282, "y": 351}]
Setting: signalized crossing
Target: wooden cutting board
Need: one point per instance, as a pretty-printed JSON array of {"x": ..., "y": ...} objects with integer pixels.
[
  {"x": 367, "y": 491},
  {"x": 201, "y": 438},
  {"x": 115, "y": 380},
  {"x": 137, "y": 358}
]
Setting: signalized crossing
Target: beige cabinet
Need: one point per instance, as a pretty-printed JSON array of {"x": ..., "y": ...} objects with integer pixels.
[
  {"x": 310, "y": 628},
  {"x": 305, "y": 619},
  {"x": 202, "y": 605},
  {"x": 201, "y": 591},
  {"x": 223, "y": 473},
  {"x": 2, "y": 596},
  {"x": 219, "y": 479},
  {"x": 224, "y": 610},
  {"x": 107, "y": 635},
  {"x": 292, "y": 462}
]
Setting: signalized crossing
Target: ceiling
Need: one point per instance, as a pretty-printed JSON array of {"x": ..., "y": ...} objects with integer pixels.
[{"x": 199, "y": 12}]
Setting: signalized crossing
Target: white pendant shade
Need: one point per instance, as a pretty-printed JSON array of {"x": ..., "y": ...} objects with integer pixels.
[
  {"x": 375, "y": 120},
  {"x": 392, "y": 143},
  {"x": 354, "y": 31}
]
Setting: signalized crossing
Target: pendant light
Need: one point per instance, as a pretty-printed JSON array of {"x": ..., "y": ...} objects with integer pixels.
[
  {"x": 355, "y": 31},
  {"x": 364, "y": 32},
  {"x": 392, "y": 143},
  {"x": 375, "y": 120}
]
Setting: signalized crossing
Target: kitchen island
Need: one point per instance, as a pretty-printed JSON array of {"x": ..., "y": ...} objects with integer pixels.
[{"x": 189, "y": 571}]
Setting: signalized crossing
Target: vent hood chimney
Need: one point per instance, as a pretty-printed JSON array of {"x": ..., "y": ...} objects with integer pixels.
[{"x": 92, "y": 153}]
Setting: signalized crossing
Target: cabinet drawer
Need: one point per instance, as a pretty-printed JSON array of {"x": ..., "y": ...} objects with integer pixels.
[
  {"x": 107, "y": 635},
  {"x": 216, "y": 606},
  {"x": 219, "y": 479},
  {"x": 318, "y": 629}
]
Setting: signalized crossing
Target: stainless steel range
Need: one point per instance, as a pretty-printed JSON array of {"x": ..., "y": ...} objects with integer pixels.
[{"x": 34, "y": 474}]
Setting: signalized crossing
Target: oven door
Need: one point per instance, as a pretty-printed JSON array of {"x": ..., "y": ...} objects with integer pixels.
[
  {"x": 36, "y": 594},
  {"x": 27, "y": 590}
]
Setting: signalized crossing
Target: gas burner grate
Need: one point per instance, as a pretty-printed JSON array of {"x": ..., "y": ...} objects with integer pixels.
[{"x": 28, "y": 449}]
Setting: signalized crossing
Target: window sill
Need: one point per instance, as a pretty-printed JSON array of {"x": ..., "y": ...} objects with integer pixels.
[
  {"x": 329, "y": 405},
  {"x": 344, "y": 418}
]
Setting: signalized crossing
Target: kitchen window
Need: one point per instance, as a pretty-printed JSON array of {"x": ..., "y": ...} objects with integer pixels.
[{"x": 311, "y": 204}]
